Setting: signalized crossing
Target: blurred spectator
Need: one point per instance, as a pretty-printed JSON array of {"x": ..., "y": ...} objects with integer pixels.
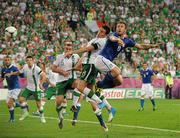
[{"x": 169, "y": 85}]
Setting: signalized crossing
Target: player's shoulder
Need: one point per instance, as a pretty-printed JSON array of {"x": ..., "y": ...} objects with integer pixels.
[
  {"x": 114, "y": 33},
  {"x": 59, "y": 56},
  {"x": 14, "y": 66},
  {"x": 25, "y": 66}
]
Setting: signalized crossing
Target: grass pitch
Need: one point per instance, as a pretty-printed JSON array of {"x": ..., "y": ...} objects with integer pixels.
[{"x": 128, "y": 122}]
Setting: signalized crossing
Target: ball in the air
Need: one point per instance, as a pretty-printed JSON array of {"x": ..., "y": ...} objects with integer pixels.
[{"x": 10, "y": 32}]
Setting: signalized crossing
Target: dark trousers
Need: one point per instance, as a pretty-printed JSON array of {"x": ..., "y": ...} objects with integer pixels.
[{"x": 168, "y": 92}]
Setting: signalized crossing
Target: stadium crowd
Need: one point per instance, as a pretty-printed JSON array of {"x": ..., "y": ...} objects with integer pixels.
[{"x": 43, "y": 25}]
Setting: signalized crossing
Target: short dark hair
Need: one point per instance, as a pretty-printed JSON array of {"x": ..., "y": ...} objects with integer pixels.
[
  {"x": 7, "y": 56},
  {"x": 29, "y": 56},
  {"x": 144, "y": 63},
  {"x": 105, "y": 27},
  {"x": 122, "y": 22}
]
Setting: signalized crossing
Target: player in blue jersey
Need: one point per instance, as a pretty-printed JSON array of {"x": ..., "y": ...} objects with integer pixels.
[
  {"x": 115, "y": 44},
  {"x": 10, "y": 73},
  {"x": 147, "y": 88}
]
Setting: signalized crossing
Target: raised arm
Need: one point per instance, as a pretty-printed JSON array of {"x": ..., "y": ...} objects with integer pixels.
[
  {"x": 146, "y": 46},
  {"x": 83, "y": 49}
]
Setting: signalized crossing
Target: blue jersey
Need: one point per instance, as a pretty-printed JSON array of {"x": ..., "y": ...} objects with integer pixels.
[
  {"x": 12, "y": 81},
  {"x": 146, "y": 75},
  {"x": 112, "y": 49}
]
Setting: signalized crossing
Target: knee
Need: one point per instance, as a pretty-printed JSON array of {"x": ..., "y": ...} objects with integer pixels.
[
  {"x": 82, "y": 84},
  {"x": 115, "y": 72},
  {"x": 10, "y": 103},
  {"x": 59, "y": 100},
  {"x": 21, "y": 99}
]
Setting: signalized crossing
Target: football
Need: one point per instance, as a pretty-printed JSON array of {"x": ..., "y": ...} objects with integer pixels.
[{"x": 10, "y": 32}]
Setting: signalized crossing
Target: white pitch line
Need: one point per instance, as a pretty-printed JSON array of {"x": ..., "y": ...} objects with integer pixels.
[{"x": 116, "y": 125}]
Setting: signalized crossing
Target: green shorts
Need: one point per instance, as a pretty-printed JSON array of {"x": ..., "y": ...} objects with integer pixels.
[
  {"x": 26, "y": 93},
  {"x": 50, "y": 92},
  {"x": 62, "y": 87},
  {"x": 89, "y": 73}
]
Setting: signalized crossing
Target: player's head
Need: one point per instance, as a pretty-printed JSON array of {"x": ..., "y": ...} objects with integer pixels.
[
  {"x": 121, "y": 28},
  {"x": 103, "y": 31},
  {"x": 68, "y": 45},
  {"x": 144, "y": 65},
  {"x": 7, "y": 61},
  {"x": 30, "y": 60}
]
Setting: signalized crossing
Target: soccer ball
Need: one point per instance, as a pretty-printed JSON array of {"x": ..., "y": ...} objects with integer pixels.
[{"x": 10, "y": 32}]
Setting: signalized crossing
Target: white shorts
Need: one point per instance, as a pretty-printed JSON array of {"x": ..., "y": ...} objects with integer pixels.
[
  {"x": 103, "y": 65},
  {"x": 147, "y": 89},
  {"x": 13, "y": 94}
]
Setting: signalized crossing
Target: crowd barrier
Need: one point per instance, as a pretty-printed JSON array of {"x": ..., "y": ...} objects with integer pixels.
[{"x": 134, "y": 83}]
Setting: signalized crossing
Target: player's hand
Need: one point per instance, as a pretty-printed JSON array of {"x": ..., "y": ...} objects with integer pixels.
[
  {"x": 68, "y": 54},
  {"x": 120, "y": 42},
  {"x": 66, "y": 73},
  {"x": 8, "y": 75},
  {"x": 41, "y": 87},
  {"x": 157, "y": 45},
  {"x": 53, "y": 85}
]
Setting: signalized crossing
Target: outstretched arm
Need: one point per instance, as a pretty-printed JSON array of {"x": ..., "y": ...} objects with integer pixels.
[
  {"x": 146, "y": 46},
  {"x": 78, "y": 66},
  {"x": 81, "y": 50}
]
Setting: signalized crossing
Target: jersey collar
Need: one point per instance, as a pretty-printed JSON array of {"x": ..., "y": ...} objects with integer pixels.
[
  {"x": 9, "y": 66},
  {"x": 31, "y": 67}
]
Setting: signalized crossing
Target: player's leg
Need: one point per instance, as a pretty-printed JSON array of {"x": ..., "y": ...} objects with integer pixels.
[
  {"x": 143, "y": 93},
  {"x": 77, "y": 109},
  {"x": 64, "y": 105},
  {"x": 45, "y": 96},
  {"x": 76, "y": 100},
  {"x": 10, "y": 105},
  {"x": 89, "y": 71},
  {"x": 112, "y": 78},
  {"x": 12, "y": 97},
  {"x": 38, "y": 98},
  {"x": 98, "y": 115},
  {"x": 61, "y": 91},
  {"x": 24, "y": 106},
  {"x": 111, "y": 110},
  {"x": 113, "y": 74},
  {"x": 151, "y": 97}
]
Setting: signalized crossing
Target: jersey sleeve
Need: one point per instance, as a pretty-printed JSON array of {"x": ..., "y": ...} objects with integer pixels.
[
  {"x": 130, "y": 43},
  {"x": 15, "y": 69},
  {"x": 2, "y": 73},
  {"x": 96, "y": 43}
]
